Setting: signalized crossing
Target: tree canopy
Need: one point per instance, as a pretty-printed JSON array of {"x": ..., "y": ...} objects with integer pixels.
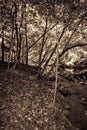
[{"x": 32, "y": 30}]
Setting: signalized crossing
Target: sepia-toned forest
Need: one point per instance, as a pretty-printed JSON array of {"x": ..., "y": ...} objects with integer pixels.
[{"x": 43, "y": 64}]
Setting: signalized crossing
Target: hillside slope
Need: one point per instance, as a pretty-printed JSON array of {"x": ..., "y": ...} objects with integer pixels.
[{"x": 26, "y": 103}]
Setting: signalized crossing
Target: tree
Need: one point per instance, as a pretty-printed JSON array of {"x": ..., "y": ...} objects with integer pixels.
[{"x": 26, "y": 20}]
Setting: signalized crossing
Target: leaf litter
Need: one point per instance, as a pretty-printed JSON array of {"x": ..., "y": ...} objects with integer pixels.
[{"x": 26, "y": 104}]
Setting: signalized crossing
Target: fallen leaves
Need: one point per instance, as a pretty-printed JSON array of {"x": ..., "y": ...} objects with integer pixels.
[{"x": 26, "y": 102}]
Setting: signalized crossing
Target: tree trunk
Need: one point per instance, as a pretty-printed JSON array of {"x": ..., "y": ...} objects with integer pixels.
[
  {"x": 2, "y": 46},
  {"x": 9, "y": 56},
  {"x": 42, "y": 48},
  {"x": 26, "y": 44},
  {"x": 18, "y": 38}
]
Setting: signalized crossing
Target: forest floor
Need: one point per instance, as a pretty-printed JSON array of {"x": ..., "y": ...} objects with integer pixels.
[{"x": 26, "y": 103}]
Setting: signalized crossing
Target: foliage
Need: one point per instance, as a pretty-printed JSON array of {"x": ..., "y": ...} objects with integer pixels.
[{"x": 29, "y": 30}]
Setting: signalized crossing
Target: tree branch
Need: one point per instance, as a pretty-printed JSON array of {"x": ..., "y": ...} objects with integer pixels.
[{"x": 73, "y": 46}]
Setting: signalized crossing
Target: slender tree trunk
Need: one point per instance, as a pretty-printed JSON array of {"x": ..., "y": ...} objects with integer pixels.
[
  {"x": 2, "y": 46},
  {"x": 56, "y": 72},
  {"x": 26, "y": 44},
  {"x": 54, "y": 49},
  {"x": 11, "y": 54},
  {"x": 42, "y": 47},
  {"x": 17, "y": 49}
]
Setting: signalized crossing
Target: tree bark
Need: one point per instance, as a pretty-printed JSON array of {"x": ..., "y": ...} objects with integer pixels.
[
  {"x": 2, "y": 46},
  {"x": 26, "y": 44},
  {"x": 42, "y": 47}
]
